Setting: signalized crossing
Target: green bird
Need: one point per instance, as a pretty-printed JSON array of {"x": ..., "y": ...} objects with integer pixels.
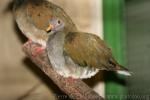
[{"x": 79, "y": 54}]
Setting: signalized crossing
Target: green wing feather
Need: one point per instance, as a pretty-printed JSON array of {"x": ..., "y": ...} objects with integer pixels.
[{"x": 87, "y": 49}]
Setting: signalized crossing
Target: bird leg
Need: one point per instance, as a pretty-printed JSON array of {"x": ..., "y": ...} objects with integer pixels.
[{"x": 38, "y": 50}]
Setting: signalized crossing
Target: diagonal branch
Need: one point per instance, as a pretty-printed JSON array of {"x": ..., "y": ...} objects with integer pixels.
[{"x": 76, "y": 89}]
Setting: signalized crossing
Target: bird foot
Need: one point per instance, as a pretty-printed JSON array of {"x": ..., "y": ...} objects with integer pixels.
[{"x": 38, "y": 50}]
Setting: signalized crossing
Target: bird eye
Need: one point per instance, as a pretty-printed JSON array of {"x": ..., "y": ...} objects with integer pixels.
[{"x": 58, "y": 21}]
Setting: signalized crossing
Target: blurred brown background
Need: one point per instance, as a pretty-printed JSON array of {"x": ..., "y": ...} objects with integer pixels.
[{"x": 17, "y": 73}]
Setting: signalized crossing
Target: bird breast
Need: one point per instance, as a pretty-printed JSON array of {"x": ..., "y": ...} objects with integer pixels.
[{"x": 62, "y": 63}]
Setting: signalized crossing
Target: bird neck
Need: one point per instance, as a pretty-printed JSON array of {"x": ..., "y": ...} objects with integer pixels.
[
  {"x": 55, "y": 49},
  {"x": 56, "y": 38}
]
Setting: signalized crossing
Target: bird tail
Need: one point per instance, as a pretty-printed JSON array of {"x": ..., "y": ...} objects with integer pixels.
[{"x": 123, "y": 71}]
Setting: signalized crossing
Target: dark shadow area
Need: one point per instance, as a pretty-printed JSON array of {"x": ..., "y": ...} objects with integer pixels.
[
  {"x": 113, "y": 77},
  {"x": 138, "y": 47},
  {"x": 99, "y": 77},
  {"x": 20, "y": 35},
  {"x": 9, "y": 7}
]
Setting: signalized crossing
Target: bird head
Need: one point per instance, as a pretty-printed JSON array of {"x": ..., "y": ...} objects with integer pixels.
[{"x": 55, "y": 25}]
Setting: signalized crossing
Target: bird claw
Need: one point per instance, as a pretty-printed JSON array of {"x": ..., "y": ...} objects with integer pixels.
[{"x": 37, "y": 51}]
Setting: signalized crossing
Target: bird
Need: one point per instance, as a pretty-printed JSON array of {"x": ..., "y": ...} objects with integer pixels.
[
  {"x": 72, "y": 53},
  {"x": 32, "y": 17},
  {"x": 79, "y": 55}
]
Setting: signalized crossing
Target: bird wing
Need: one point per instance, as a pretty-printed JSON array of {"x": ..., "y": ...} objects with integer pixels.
[
  {"x": 38, "y": 13},
  {"x": 87, "y": 49}
]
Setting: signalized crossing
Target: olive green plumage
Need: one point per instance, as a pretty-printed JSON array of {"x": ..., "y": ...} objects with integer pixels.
[{"x": 88, "y": 49}]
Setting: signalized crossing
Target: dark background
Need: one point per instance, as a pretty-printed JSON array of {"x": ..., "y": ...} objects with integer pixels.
[{"x": 138, "y": 46}]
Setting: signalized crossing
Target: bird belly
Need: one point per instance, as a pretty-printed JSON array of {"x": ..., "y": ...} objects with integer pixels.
[
  {"x": 67, "y": 68},
  {"x": 77, "y": 71}
]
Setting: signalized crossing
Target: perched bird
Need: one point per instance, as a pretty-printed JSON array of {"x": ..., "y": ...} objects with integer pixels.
[
  {"x": 33, "y": 16},
  {"x": 79, "y": 54},
  {"x": 71, "y": 53}
]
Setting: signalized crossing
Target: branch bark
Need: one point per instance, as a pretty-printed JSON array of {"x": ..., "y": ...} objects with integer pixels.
[{"x": 75, "y": 89}]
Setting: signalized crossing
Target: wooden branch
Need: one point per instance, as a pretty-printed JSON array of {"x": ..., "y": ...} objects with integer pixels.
[{"x": 75, "y": 89}]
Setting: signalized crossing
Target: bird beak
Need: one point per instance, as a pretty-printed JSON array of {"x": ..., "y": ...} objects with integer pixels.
[{"x": 49, "y": 28}]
